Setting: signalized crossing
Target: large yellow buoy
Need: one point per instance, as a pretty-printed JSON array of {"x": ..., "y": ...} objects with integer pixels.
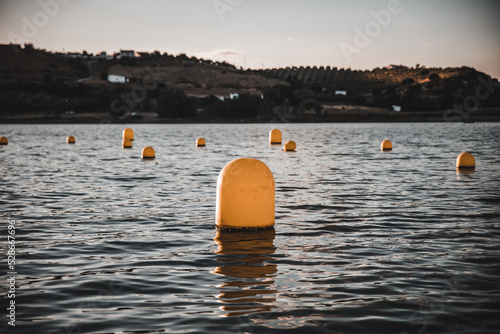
[
  {"x": 4, "y": 140},
  {"x": 289, "y": 146},
  {"x": 128, "y": 133},
  {"x": 148, "y": 153},
  {"x": 127, "y": 143},
  {"x": 275, "y": 137},
  {"x": 245, "y": 196},
  {"x": 70, "y": 140},
  {"x": 386, "y": 145},
  {"x": 466, "y": 160},
  {"x": 200, "y": 142}
]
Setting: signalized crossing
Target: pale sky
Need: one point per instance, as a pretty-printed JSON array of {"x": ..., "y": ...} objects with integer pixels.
[{"x": 269, "y": 33}]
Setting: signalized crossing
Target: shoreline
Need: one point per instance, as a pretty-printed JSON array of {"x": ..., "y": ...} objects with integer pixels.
[{"x": 444, "y": 116}]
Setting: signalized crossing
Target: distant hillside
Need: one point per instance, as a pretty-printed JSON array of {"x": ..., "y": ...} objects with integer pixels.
[
  {"x": 29, "y": 65},
  {"x": 194, "y": 77},
  {"x": 46, "y": 85},
  {"x": 414, "y": 89}
]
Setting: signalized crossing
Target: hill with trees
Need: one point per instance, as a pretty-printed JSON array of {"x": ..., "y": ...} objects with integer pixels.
[{"x": 40, "y": 86}]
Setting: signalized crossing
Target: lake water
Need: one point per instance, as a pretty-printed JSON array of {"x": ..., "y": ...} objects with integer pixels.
[{"x": 364, "y": 242}]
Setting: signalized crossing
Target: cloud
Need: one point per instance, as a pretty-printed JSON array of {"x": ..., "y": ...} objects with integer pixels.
[
  {"x": 218, "y": 53},
  {"x": 226, "y": 52}
]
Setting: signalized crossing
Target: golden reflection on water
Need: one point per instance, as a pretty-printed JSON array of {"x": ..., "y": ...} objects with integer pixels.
[
  {"x": 245, "y": 258},
  {"x": 465, "y": 174}
]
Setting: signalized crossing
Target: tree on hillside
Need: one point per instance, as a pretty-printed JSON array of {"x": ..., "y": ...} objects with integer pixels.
[
  {"x": 175, "y": 104},
  {"x": 434, "y": 77},
  {"x": 408, "y": 81}
]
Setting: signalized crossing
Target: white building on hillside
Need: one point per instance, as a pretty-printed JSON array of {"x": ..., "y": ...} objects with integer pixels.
[
  {"x": 127, "y": 54},
  {"x": 113, "y": 78},
  {"x": 102, "y": 55}
]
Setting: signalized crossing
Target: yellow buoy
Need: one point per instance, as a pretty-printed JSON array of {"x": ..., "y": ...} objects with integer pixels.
[
  {"x": 289, "y": 146},
  {"x": 70, "y": 140},
  {"x": 148, "y": 153},
  {"x": 128, "y": 133},
  {"x": 245, "y": 196},
  {"x": 4, "y": 140},
  {"x": 275, "y": 137},
  {"x": 200, "y": 142},
  {"x": 127, "y": 143},
  {"x": 386, "y": 145},
  {"x": 466, "y": 160}
]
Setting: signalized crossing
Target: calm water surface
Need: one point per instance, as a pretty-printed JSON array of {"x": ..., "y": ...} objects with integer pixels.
[{"x": 365, "y": 241}]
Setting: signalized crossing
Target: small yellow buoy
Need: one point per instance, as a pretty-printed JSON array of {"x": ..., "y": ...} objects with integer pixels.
[
  {"x": 466, "y": 160},
  {"x": 70, "y": 140},
  {"x": 128, "y": 133},
  {"x": 148, "y": 153},
  {"x": 127, "y": 143},
  {"x": 245, "y": 196},
  {"x": 275, "y": 137},
  {"x": 386, "y": 145},
  {"x": 200, "y": 142},
  {"x": 4, "y": 141},
  {"x": 289, "y": 146}
]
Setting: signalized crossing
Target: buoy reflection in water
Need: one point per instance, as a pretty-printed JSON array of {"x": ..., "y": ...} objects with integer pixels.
[{"x": 246, "y": 260}]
